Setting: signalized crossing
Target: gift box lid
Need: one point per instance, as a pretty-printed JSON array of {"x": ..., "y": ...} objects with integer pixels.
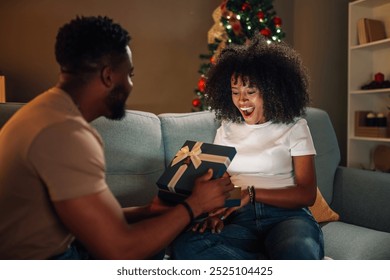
[{"x": 193, "y": 160}]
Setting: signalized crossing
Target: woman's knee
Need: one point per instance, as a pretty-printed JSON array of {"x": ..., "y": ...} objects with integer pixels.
[{"x": 299, "y": 238}]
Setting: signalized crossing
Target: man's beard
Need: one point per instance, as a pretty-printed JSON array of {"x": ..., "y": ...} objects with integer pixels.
[{"x": 116, "y": 104}]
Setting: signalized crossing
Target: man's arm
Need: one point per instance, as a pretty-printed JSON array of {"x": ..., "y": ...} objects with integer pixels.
[
  {"x": 98, "y": 221},
  {"x": 155, "y": 208}
]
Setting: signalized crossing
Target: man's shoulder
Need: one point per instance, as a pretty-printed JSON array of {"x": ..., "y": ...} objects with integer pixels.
[
  {"x": 50, "y": 108},
  {"x": 48, "y": 113},
  {"x": 52, "y": 104}
]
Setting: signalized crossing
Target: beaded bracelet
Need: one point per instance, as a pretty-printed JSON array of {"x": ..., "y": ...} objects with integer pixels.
[{"x": 251, "y": 192}]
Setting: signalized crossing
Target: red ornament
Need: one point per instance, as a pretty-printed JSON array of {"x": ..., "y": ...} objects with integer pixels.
[
  {"x": 196, "y": 102},
  {"x": 236, "y": 26},
  {"x": 265, "y": 32},
  {"x": 260, "y": 15},
  {"x": 223, "y": 5},
  {"x": 202, "y": 84},
  {"x": 212, "y": 59},
  {"x": 379, "y": 77},
  {"x": 277, "y": 21},
  {"x": 246, "y": 6}
]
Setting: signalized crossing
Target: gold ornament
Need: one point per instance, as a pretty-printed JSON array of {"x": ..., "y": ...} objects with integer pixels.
[{"x": 217, "y": 31}]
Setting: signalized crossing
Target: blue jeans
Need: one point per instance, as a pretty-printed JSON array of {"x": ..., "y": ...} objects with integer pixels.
[
  {"x": 256, "y": 231},
  {"x": 76, "y": 251}
]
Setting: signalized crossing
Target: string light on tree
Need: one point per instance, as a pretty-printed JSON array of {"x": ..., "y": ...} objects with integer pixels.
[{"x": 236, "y": 21}]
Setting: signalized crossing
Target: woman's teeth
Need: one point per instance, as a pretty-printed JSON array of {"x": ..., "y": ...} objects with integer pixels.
[{"x": 247, "y": 110}]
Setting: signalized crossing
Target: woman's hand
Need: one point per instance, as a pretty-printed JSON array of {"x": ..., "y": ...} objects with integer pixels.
[
  {"x": 223, "y": 213},
  {"x": 215, "y": 220},
  {"x": 214, "y": 223},
  {"x": 208, "y": 193}
]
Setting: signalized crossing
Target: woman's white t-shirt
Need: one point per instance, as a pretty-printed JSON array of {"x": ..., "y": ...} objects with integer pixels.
[{"x": 265, "y": 151}]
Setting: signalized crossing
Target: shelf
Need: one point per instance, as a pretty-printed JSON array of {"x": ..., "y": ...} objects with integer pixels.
[
  {"x": 370, "y": 91},
  {"x": 372, "y": 45},
  {"x": 364, "y": 61},
  {"x": 370, "y": 139},
  {"x": 369, "y": 3}
]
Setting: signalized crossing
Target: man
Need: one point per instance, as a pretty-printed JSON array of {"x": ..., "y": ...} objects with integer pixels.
[{"x": 52, "y": 186}]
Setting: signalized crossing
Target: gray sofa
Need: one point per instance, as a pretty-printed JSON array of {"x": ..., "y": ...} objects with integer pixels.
[{"x": 140, "y": 146}]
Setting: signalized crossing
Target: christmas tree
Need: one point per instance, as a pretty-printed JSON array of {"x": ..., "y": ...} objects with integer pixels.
[{"x": 236, "y": 21}]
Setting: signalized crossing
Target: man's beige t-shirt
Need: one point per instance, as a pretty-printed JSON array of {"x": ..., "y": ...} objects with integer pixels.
[{"x": 48, "y": 152}]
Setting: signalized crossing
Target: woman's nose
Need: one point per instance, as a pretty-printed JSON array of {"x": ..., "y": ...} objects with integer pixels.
[{"x": 242, "y": 97}]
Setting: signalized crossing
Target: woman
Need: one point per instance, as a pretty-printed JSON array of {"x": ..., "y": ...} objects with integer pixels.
[{"x": 260, "y": 92}]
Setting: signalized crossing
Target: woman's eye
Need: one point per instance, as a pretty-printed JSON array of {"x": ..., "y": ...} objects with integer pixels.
[
  {"x": 251, "y": 92},
  {"x": 235, "y": 93}
]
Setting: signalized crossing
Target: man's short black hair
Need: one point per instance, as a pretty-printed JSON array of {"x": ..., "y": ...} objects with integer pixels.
[{"x": 82, "y": 43}]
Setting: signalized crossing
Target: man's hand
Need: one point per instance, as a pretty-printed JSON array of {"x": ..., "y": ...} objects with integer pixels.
[
  {"x": 215, "y": 220},
  {"x": 208, "y": 194},
  {"x": 223, "y": 213}
]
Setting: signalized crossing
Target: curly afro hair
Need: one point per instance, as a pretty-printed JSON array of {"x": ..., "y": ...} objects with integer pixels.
[
  {"x": 274, "y": 68},
  {"x": 82, "y": 43}
]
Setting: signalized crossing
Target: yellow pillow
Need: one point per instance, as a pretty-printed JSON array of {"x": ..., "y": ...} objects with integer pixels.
[{"x": 321, "y": 210}]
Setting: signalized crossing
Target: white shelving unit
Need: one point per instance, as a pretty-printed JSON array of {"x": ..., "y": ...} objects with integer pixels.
[{"x": 363, "y": 62}]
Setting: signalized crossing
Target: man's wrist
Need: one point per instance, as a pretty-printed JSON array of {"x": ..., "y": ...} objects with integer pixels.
[
  {"x": 195, "y": 207},
  {"x": 188, "y": 209}
]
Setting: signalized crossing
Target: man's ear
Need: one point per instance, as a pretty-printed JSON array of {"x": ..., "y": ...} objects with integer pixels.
[{"x": 106, "y": 76}]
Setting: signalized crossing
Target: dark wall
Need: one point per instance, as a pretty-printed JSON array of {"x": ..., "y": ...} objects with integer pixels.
[{"x": 168, "y": 37}]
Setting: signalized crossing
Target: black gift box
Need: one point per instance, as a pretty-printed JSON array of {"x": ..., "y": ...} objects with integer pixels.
[{"x": 190, "y": 162}]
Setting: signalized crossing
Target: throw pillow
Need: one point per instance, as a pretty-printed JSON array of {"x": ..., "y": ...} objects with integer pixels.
[{"x": 321, "y": 210}]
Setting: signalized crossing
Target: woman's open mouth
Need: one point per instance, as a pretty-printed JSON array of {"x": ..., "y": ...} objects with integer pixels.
[{"x": 247, "y": 111}]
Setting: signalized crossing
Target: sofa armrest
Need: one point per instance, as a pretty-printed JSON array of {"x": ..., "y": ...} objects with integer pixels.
[
  {"x": 7, "y": 110},
  {"x": 362, "y": 197}
]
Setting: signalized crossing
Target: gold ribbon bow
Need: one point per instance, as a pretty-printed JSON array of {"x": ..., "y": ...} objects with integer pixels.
[
  {"x": 196, "y": 156},
  {"x": 185, "y": 152}
]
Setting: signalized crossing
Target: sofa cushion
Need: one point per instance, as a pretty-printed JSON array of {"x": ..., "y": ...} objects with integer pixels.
[
  {"x": 134, "y": 155},
  {"x": 361, "y": 197},
  {"x": 328, "y": 153},
  {"x": 346, "y": 241},
  {"x": 179, "y": 127}
]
